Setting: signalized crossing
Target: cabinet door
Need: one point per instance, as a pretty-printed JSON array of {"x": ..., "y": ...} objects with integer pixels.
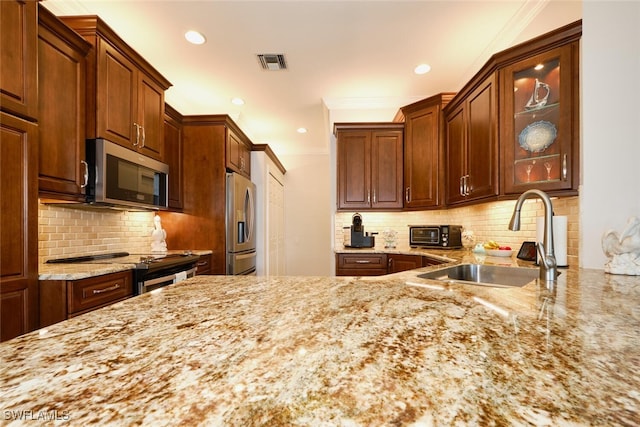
[
  {"x": 18, "y": 65},
  {"x": 173, "y": 157},
  {"x": 456, "y": 155},
  {"x": 400, "y": 262},
  {"x": 354, "y": 170},
  {"x": 238, "y": 155},
  {"x": 472, "y": 149},
  {"x": 150, "y": 118},
  {"x": 116, "y": 97},
  {"x": 18, "y": 227},
  {"x": 482, "y": 147},
  {"x": 422, "y": 157},
  {"x": 540, "y": 134},
  {"x": 61, "y": 117},
  {"x": 386, "y": 170}
]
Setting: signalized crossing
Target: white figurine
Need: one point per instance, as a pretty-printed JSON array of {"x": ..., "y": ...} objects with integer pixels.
[
  {"x": 158, "y": 236},
  {"x": 623, "y": 250}
]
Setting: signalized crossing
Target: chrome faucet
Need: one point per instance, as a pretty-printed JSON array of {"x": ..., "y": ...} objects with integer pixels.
[{"x": 548, "y": 265}]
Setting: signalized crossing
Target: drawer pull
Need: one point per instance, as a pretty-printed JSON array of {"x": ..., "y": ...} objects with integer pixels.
[
  {"x": 363, "y": 261},
  {"x": 201, "y": 263},
  {"x": 110, "y": 288}
]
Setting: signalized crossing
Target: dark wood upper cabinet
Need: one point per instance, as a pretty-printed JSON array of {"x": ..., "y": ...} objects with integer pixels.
[
  {"x": 424, "y": 152},
  {"x": 174, "y": 155},
  {"x": 540, "y": 115},
  {"x": 238, "y": 154},
  {"x": 62, "y": 170},
  {"x": 18, "y": 68},
  {"x": 369, "y": 165},
  {"x": 472, "y": 144},
  {"x": 125, "y": 98}
]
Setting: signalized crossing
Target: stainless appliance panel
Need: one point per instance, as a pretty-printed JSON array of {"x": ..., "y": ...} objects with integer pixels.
[
  {"x": 241, "y": 263},
  {"x": 118, "y": 176},
  {"x": 240, "y": 224},
  {"x": 240, "y": 213}
]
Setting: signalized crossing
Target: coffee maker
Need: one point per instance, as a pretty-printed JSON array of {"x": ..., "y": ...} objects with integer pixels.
[{"x": 355, "y": 237}]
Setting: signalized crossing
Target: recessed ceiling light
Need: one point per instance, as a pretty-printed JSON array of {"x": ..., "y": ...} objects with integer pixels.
[
  {"x": 302, "y": 130},
  {"x": 237, "y": 101},
  {"x": 194, "y": 37},
  {"x": 422, "y": 69}
]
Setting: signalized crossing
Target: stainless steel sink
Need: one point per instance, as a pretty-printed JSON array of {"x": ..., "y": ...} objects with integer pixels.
[{"x": 485, "y": 275}]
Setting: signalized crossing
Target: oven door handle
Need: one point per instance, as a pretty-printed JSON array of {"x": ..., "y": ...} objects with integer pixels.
[{"x": 171, "y": 277}]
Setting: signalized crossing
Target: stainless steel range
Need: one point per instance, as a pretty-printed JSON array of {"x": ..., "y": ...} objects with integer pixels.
[{"x": 151, "y": 271}]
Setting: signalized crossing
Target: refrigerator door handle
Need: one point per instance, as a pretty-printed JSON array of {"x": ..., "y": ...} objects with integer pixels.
[{"x": 248, "y": 215}]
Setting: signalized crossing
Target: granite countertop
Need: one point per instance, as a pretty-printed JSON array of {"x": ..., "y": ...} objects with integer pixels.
[
  {"x": 349, "y": 351},
  {"x": 79, "y": 271}
]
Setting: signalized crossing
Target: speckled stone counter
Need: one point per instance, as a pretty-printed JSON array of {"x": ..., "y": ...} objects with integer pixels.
[
  {"x": 79, "y": 271},
  {"x": 325, "y": 351}
]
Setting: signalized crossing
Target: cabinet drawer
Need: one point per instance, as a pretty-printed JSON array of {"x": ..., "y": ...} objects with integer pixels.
[
  {"x": 98, "y": 291},
  {"x": 361, "y": 264},
  {"x": 203, "y": 266}
]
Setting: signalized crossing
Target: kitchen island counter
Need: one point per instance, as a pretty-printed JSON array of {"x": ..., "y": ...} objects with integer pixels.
[{"x": 391, "y": 350}]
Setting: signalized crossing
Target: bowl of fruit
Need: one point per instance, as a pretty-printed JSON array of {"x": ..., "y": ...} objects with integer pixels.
[{"x": 492, "y": 248}]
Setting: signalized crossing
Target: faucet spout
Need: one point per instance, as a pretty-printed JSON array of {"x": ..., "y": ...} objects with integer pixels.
[{"x": 548, "y": 265}]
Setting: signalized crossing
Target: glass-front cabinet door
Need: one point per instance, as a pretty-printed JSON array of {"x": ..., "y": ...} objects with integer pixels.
[{"x": 540, "y": 137}]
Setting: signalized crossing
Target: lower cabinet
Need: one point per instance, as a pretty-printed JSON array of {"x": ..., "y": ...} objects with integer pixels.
[
  {"x": 370, "y": 264},
  {"x": 204, "y": 265},
  {"x": 63, "y": 299}
]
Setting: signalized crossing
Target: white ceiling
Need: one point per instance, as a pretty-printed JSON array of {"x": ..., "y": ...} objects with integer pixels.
[{"x": 340, "y": 54}]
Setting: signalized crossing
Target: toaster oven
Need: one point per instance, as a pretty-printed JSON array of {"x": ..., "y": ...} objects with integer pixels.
[{"x": 435, "y": 236}]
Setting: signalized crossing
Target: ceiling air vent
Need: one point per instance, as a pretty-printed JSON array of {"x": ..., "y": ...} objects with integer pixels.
[{"x": 272, "y": 61}]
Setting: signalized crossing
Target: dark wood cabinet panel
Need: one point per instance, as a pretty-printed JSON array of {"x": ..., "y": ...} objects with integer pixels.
[
  {"x": 125, "y": 101},
  {"x": 386, "y": 170},
  {"x": 472, "y": 145},
  {"x": 204, "y": 265},
  {"x": 354, "y": 170},
  {"x": 377, "y": 264},
  {"x": 19, "y": 67},
  {"x": 238, "y": 154},
  {"x": 18, "y": 226},
  {"x": 424, "y": 152},
  {"x": 63, "y": 299},
  {"x": 61, "y": 112},
  {"x": 367, "y": 264},
  {"x": 401, "y": 262},
  {"x": 202, "y": 223},
  {"x": 369, "y": 166},
  {"x": 174, "y": 155}
]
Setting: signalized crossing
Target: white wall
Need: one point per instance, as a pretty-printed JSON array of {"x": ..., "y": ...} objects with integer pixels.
[
  {"x": 308, "y": 231},
  {"x": 610, "y": 121}
]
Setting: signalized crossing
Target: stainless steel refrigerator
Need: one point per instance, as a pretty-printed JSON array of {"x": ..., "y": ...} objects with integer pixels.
[{"x": 241, "y": 223}]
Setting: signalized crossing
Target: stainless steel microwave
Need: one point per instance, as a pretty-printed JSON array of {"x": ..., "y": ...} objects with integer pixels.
[
  {"x": 435, "y": 236},
  {"x": 120, "y": 177}
]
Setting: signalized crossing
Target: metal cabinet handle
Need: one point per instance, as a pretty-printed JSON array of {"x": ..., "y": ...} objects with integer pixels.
[
  {"x": 462, "y": 185},
  {"x": 110, "y": 288},
  {"x": 363, "y": 261},
  {"x": 564, "y": 167},
  {"x": 407, "y": 194},
  {"x": 201, "y": 263},
  {"x": 137, "y": 134},
  {"x": 86, "y": 174},
  {"x": 374, "y": 197},
  {"x": 467, "y": 191},
  {"x": 144, "y": 137},
  {"x": 369, "y": 196}
]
